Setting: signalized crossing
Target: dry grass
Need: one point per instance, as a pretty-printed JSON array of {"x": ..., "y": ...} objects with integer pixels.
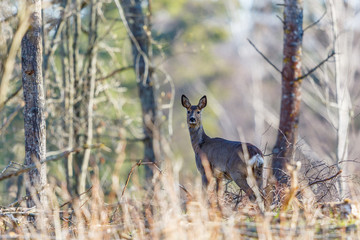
[{"x": 166, "y": 212}]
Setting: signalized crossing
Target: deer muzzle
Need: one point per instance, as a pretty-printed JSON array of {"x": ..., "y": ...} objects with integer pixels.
[{"x": 192, "y": 120}]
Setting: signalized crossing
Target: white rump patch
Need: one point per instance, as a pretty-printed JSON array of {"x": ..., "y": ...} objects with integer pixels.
[{"x": 257, "y": 159}]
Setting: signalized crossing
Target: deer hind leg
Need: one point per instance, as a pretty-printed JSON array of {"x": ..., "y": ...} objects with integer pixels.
[
  {"x": 205, "y": 181},
  {"x": 217, "y": 187},
  {"x": 242, "y": 183}
]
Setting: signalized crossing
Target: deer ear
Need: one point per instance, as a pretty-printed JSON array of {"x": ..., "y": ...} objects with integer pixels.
[
  {"x": 202, "y": 102},
  {"x": 185, "y": 102}
]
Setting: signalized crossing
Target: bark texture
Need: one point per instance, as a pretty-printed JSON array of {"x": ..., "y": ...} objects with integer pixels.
[
  {"x": 291, "y": 92},
  {"x": 78, "y": 113},
  {"x": 140, "y": 42},
  {"x": 68, "y": 77},
  {"x": 34, "y": 110}
]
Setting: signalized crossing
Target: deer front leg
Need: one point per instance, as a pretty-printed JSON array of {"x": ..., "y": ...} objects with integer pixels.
[
  {"x": 205, "y": 181},
  {"x": 242, "y": 183},
  {"x": 200, "y": 167}
]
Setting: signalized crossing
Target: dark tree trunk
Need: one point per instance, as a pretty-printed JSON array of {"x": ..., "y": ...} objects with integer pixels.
[
  {"x": 291, "y": 92},
  {"x": 34, "y": 110},
  {"x": 67, "y": 61},
  {"x": 78, "y": 113},
  {"x": 141, "y": 45}
]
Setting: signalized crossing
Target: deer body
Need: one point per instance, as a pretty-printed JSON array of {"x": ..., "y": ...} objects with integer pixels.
[{"x": 225, "y": 159}]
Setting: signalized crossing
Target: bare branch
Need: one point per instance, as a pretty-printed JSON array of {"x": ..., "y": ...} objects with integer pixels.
[
  {"x": 19, "y": 201},
  {"x": 317, "y": 21},
  {"x": 139, "y": 163},
  {"x": 129, "y": 175},
  {"x": 282, "y": 20},
  {"x": 11, "y": 164},
  {"x": 10, "y": 215},
  {"x": 186, "y": 191},
  {"x": 77, "y": 197},
  {"x": 53, "y": 45},
  {"x": 11, "y": 117},
  {"x": 51, "y": 158},
  {"x": 115, "y": 72},
  {"x": 2, "y": 105},
  {"x": 266, "y": 59},
  {"x": 316, "y": 67},
  {"x": 326, "y": 179},
  {"x": 133, "y": 40}
]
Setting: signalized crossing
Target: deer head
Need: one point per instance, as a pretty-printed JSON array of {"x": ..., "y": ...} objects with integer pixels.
[{"x": 193, "y": 111}]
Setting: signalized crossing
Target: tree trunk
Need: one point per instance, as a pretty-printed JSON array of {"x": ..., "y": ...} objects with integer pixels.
[
  {"x": 342, "y": 45},
  {"x": 67, "y": 62},
  {"x": 78, "y": 131},
  {"x": 89, "y": 95},
  {"x": 140, "y": 42},
  {"x": 34, "y": 110},
  {"x": 291, "y": 92}
]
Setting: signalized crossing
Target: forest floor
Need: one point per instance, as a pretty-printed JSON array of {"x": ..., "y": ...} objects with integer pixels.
[{"x": 169, "y": 213}]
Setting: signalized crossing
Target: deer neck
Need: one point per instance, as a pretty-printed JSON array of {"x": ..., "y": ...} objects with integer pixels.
[{"x": 198, "y": 138}]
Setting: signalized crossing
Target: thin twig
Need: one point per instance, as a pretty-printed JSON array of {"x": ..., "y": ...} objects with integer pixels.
[
  {"x": 352, "y": 161},
  {"x": 269, "y": 154},
  {"x": 280, "y": 19},
  {"x": 54, "y": 41},
  {"x": 19, "y": 201},
  {"x": 153, "y": 164},
  {"x": 316, "y": 22},
  {"x": 10, "y": 97},
  {"x": 114, "y": 72},
  {"x": 126, "y": 184},
  {"x": 266, "y": 59},
  {"x": 316, "y": 67},
  {"x": 11, "y": 117},
  {"x": 326, "y": 179},
  {"x": 129, "y": 176},
  {"x": 186, "y": 191},
  {"x": 139, "y": 163},
  {"x": 49, "y": 159},
  {"x": 6, "y": 214},
  {"x": 134, "y": 41},
  {"x": 72, "y": 199},
  {"x": 10, "y": 165}
]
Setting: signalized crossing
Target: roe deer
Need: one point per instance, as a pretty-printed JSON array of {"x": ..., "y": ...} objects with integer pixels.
[{"x": 225, "y": 158}]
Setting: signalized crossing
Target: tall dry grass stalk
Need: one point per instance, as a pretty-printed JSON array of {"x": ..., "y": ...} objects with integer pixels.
[{"x": 165, "y": 212}]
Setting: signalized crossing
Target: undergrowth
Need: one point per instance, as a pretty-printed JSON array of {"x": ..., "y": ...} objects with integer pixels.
[{"x": 167, "y": 211}]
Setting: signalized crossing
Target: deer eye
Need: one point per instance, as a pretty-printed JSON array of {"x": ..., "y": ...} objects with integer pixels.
[
  {"x": 188, "y": 112},
  {"x": 198, "y": 112}
]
